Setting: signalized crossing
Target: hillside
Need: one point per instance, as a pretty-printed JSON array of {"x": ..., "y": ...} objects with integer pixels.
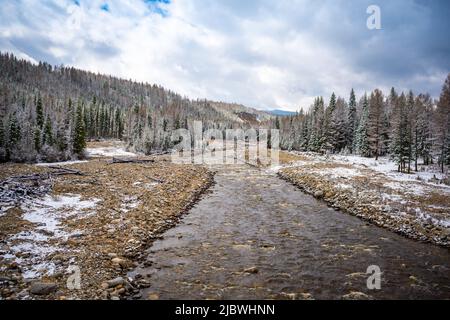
[{"x": 38, "y": 109}]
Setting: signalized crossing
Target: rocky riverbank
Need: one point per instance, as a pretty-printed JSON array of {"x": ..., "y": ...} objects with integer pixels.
[
  {"x": 410, "y": 205},
  {"x": 92, "y": 228}
]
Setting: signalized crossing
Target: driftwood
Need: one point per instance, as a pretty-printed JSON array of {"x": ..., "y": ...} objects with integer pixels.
[
  {"x": 63, "y": 171},
  {"x": 155, "y": 179},
  {"x": 14, "y": 190},
  {"x": 117, "y": 160}
]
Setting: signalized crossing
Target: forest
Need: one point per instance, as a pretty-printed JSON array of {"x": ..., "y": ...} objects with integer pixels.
[
  {"x": 48, "y": 113},
  {"x": 406, "y": 127}
]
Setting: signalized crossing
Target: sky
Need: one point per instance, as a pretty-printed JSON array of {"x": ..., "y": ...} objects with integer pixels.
[{"x": 267, "y": 54}]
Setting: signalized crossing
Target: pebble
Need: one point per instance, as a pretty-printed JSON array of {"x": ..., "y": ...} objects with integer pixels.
[
  {"x": 318, "y": 194},
  {"x": 116, "y": 282}
]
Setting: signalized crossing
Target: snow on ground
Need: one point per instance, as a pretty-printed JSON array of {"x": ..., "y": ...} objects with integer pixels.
[
  {"x": 341, "y": 172},
  {"x": 394, "y": 188},
  {"x": 389, "y": 168},
  {"x": 109, "y": 152},
  {"x": 49, "y": 211},
  {"x": 129, "y": 203},
  {"x": 30, "y": 248}
]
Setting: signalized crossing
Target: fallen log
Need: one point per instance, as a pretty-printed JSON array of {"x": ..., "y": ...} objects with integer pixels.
[
  {"x": 63, "y": 171},
  {"x": 117, "y": 160}
]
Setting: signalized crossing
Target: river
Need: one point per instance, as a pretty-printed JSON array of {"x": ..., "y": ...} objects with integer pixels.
[{"x": 255, "y": 236}]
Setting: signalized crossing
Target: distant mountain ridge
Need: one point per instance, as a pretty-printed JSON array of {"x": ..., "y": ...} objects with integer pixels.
[{"x": 281, "y": 113}]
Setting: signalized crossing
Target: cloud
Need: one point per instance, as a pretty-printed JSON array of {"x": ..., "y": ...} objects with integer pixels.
[{"x": 266, "y": 54}]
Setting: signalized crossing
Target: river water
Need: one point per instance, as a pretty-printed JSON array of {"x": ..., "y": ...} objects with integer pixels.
[{"x": 255, "y": 236}]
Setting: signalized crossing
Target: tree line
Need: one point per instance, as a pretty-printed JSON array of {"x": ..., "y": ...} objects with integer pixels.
[
  {"x": 403, "y": 126},
  {"x": 48, "y": 113}
]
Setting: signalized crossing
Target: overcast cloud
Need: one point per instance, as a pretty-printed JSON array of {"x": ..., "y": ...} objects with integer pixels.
[{"x": 266, "y": 54}]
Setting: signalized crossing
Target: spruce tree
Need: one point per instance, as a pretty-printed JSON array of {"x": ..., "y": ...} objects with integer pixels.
[
  {"x": 328, "y": 138},
  {"x": 399, "y": 143},
  {"x": 48, "y": 133},
  {"x": 39, "y": 113},
  {"x": 79, "y": 141},
  {"x": 37, "y": 139},
  {"x": 351, "y": 130},
  {"x": 443, "y": 125},
  {"x": 375, "y": 122},
  {"x": 2, "y": 134},
  {"x": 362, "y": 144},
  {"x": 14, "y": 131},
  {"x": 2, "y": 142}
]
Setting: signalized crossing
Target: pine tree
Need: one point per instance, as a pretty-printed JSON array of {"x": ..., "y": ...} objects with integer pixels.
[
  {"x": 39, "y": 113},
  {"x": 2, "y": 134},
  {"x": 351, "y": 121},
  {"x": 79, "y": 142},
  {"x": 37, "y": 139},
  {"x": 118, "y": 125},
  {"x": 316, "y": 126},
  {"x": 328, "y": 137},
  {"x": 339, "y": 126},
  {"x": 443, "y": 125},
  {"x": 48, "y": 133},
  {"x": 399, "y": 144},
  {"x": 61, "y": 139},
  {"x": 362, "y": 144},
  {"x": 2, "y": 142},
  {"x": 14, "y": 131},
  {"x": 375, "y": 122}
]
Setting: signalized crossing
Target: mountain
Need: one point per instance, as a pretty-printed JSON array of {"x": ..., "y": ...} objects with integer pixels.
[
  {"x": 42, "y": 107},
  {"x": 281, "y": 113}
]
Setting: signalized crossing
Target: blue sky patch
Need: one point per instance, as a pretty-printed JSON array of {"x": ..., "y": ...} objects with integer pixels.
[
  {"x": 155, "y": 6},
  {"x": 105, "y": 7}
]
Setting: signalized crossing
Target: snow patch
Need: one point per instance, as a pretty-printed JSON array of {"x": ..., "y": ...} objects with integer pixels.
[
  {"x": 109, "y": 152},
  {"x": 129, "y": 203},
  {"x": 31, "y": 248},
  {"x": 340, "y": 172},
  {"x": 49, "y": 211}
]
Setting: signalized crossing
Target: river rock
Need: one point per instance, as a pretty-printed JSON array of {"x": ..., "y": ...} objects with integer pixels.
[
  {"x": 318, "y": 194},
  {"x": 43, "y": 288},
  {"x": 119, "y": 261},
  {"x": 356, "y": 295},
  {"x": 116, "y": 282}
]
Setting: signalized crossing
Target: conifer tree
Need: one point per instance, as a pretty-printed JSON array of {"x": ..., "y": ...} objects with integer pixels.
[
  {"x": 39, "y": 113},
  {"x": 443, "y": 125},
  {"x": 2, "y": 142},
  {"x": 2, "y": 134},
  {"x": 79, "y": 141},
  {"x": 48, "y": 133},
  {"x": 351, "y": 121},
  {"x": 14, "y": 131},
  {"x": 375, "y": 122},
  {"x": 362, "y": 144},
  {"x": 37, "y": 139}
]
